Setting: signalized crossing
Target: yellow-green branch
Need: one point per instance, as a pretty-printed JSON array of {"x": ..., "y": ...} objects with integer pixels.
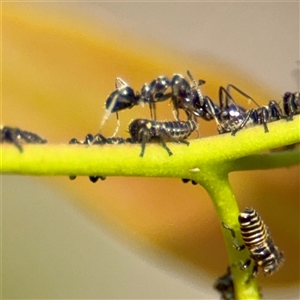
[{"x": 206, "y": 161}]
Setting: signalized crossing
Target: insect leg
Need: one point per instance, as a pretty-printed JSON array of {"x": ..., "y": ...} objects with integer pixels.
[
  {"x": 235, "y": 242},
  {"x": 242, "y": 93},
  {"x": 250, "y": 113},
  {"x": 263, "y": 118},
  {"x": 145, "y": 139},
  {"x": 161, "y": 136}
]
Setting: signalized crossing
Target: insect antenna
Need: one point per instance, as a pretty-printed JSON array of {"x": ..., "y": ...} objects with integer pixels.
[{"x": 229, "y": 86}]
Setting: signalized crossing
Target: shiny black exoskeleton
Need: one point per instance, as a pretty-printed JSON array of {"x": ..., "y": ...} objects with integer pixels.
[
  {"x": 183, "y": 95},
  {"x": 98, "y": 139},
  {"x": 18, "y": 137},
  {"x": 224, "y": 285},
  {"x": 143, "y": 131},
  {"x": 258, "y": 116},
  {"x": 155, "y": 92},
  {"x": 188, "y": 97},
  {"x": 291, "y": 104},
  {"x": 258, "y": 241},
  {"x": 125, "y": 98}
]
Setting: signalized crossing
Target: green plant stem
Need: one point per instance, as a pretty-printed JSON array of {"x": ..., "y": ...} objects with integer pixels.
[
  {"x": 206, "y": 161},
  {"x": 273, "y": 160},
  {"x": 219, "y": 189},
  {"x": 124, "y": 160}
]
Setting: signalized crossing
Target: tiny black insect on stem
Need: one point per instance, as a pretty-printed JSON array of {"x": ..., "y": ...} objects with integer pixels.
[{"x": 18, "y": 137}]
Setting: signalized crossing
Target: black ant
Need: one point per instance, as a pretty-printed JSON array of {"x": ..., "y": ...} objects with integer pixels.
[
  {"x": 259, "y": 116},
  {"x": 188, "y": 97},
  {"x": 291, "y": 104},
  {"x": 184, "y": 95},
  {"x": 255, "y": 116},
  {"x": 143, "y": 131},
  {"x": 155, "y": 92},
  {"x": 18, "y": 136}
]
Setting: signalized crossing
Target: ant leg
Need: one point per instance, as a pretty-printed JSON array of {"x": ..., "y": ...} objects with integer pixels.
[
  {"x": 235, "y": 242},
  {"x": 152, "y": 110},
  {"x": 289, "y": 106},
  {"x": 223, "y": 91},
  {"x": 212, "y": 110},
  {"x": 275, "y": 109},
  {"x": 263, "y": 117}
]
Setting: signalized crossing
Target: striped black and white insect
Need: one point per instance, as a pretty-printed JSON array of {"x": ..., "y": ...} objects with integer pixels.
[
  {"x": 291, "y": 104},
  {"x": 18, "y": 137},
  {"x": 258, "y": 241},
  {"x": 98, "y": 139},
  {"x": 224, "y": 285},
  {"x": 124, "y": 97},
  {"x": 143, "y": 131}
]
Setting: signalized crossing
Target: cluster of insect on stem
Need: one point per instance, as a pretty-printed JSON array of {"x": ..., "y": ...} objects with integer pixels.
[
  {"x": 185, "y": 95},
  {"x": 186, "y": 98}
]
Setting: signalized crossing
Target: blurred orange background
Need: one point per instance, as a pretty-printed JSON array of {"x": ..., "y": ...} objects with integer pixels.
[{"x": 59, "y": 64}]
